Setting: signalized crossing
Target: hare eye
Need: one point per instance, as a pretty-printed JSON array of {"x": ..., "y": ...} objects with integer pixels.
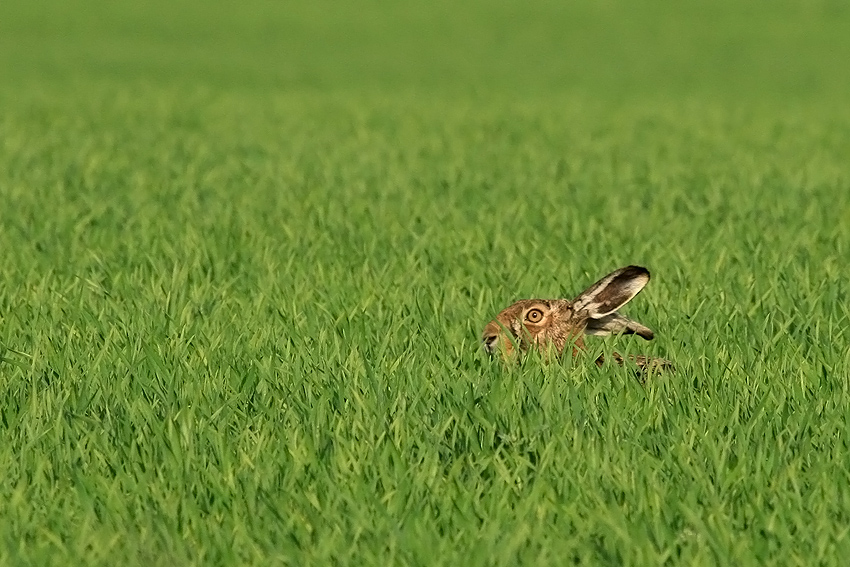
[{"x": 534, "y": 316}]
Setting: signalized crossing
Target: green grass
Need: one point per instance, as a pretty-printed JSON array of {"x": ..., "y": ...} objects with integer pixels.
[{"x": 247, "y": 254}]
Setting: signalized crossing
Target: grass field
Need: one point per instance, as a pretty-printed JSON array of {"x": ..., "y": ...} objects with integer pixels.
[{"x": 246, "y": 253}]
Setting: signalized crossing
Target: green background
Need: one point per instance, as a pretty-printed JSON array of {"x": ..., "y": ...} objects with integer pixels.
[{"x": 247, "y": 249}]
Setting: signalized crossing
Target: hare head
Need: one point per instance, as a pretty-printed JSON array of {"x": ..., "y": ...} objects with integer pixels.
[{"x": 561, "y": 323}]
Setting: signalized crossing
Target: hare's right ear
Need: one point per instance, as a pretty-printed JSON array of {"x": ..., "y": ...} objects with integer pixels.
[{"x": 611, "y": 292}]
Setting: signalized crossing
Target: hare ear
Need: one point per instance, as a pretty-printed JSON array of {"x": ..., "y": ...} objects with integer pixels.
[
  {"x": 615, "y": 324},
  {"x": 611, "y": 292}
]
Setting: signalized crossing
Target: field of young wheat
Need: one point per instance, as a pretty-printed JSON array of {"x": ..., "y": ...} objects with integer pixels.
[{"x": 247, "y": 252}]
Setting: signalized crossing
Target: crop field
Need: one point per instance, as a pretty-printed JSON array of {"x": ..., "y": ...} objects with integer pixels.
[{"x": 247, "y": 251}]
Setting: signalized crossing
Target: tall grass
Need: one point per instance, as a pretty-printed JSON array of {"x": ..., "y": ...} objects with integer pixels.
[{"x": 239, "y": 310}]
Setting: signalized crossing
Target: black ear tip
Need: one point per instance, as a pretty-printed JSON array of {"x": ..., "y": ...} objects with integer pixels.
[{"x": 635, "y": 272}]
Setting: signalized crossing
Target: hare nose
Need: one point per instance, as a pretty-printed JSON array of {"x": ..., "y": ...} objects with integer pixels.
[{"x": 490, "y": 342}]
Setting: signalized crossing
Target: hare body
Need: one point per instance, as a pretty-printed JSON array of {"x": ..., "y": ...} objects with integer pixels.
[{"x": 560, "y": 324}]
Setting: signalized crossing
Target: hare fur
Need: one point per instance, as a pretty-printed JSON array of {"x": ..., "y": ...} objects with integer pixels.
[{"x": 561, "y": 324}]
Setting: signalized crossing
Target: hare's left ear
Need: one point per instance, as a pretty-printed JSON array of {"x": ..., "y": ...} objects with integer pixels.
[{"x": 611, "y": 292}]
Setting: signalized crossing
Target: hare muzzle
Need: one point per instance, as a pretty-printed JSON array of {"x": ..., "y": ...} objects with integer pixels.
[{"x": 489, "y": 341}]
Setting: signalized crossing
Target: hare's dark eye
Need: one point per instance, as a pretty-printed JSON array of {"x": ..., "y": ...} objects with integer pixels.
[{"x": 534, "y": 316}]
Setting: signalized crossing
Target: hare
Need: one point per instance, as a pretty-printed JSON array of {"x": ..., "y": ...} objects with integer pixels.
[{"x": 561, "y": 324}]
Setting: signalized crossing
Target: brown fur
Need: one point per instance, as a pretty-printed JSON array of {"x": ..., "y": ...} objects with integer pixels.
[{"x": 564, "y": 323}]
